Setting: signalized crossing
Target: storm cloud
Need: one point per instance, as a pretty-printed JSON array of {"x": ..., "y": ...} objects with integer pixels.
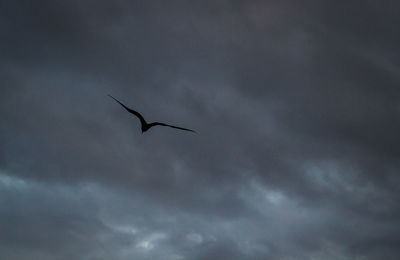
[{"x": 297, "y": 106}]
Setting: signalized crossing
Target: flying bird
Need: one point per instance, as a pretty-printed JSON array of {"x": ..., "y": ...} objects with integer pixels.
[{"x": 146, "y": 126}]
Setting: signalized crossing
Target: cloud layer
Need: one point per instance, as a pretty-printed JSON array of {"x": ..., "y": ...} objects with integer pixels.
[{"x": 296, "y": 105}]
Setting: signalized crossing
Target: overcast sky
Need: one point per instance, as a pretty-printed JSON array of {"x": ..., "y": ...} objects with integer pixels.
[{"x": 296, "y": 105}]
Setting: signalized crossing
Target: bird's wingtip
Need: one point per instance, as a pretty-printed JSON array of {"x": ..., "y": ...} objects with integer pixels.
[{"x": 112, "y": 97}]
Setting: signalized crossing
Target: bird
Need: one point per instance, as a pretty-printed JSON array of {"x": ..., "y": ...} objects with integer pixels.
[{"x": 144, "y": 125}]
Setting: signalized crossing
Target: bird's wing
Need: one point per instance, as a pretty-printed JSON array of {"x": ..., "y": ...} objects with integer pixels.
[
  {"x": 177, "y": 127},
  {"x": 142, "y": 121}
]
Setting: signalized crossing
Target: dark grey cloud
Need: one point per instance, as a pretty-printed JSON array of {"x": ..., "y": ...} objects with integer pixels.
[{"x": 296, "y": 105}]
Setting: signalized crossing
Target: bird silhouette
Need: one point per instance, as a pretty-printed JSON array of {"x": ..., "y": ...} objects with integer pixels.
[{"x": 146, "y": 126}]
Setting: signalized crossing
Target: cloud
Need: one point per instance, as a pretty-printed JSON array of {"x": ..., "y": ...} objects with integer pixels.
[{"x": 297, "y": 111}]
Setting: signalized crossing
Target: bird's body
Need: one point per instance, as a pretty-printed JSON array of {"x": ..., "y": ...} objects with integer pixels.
[{"x": 144, "y": 125}]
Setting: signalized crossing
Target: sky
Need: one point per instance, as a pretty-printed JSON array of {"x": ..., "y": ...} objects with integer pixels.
[{"x": 296, "y": 105}]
